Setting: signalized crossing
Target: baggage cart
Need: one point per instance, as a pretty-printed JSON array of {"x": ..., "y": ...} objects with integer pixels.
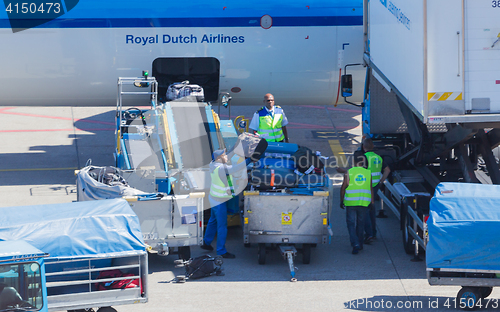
[
  {"x": 287, "y": 220},
  {"x": 169, "y": 223},
  {"x": 459, "y": 212},
  {"x": 56, "y": 256}
]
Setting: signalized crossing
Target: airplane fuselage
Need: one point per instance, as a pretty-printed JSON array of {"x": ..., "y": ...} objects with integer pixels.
[{"x": 290, "y": 49}]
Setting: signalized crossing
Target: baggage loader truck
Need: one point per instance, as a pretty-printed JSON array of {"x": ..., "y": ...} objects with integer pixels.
[
  {"x": 163, "y": 149},
  {"x": 73, "y": 256}
]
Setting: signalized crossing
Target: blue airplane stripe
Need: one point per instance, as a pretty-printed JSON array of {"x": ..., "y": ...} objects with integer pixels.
[{"x": 194, "y": 22}]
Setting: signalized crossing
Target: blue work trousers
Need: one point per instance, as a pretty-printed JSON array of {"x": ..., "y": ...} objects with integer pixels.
[
  {"x": 370, "y": 222},
  {"x": 217, "y": 224},
  {"x": 355, "y": 216},
  {"x": 371, "y": 218}
]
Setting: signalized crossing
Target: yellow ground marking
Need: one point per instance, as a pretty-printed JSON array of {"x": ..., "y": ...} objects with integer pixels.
[{"x": 338, "y": 152}]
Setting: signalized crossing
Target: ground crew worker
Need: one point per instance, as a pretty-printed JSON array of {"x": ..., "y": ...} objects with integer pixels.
[
  {"x": 376, "y": 166},
  {"x": 221, "y": 190},
  {"x": 356, "y": 195},
  {"x": 270, "y": 121}
]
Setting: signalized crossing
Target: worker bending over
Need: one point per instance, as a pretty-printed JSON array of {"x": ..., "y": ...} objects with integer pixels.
[
  {"x": 356, "y": 195},
  {"x": 270, "y": 121},
  {"x": 221, "y": 190}
]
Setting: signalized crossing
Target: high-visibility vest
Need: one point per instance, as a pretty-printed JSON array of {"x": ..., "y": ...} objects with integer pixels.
[
  {"x": 358, "y": 193},
  {"x": 375, "y": 166},
  {"x": 221, "y": 188},
  {"x": 270, "y": 127}
]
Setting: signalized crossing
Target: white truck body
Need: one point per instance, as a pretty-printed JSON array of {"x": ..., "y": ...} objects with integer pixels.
[{"x": 442, "y": 56}]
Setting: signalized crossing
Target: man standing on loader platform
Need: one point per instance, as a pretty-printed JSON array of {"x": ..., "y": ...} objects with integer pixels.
[
  {"x": 356, "y": 195},
  {"x": 376, "y": 166},
  {"x": 270, "y": 121},
  {"x": 221, "y": 190}
]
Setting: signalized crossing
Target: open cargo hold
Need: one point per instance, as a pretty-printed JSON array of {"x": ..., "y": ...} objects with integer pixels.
[
  {"x": 459, "y": 55},
  {"x": 83, "y": 239}
]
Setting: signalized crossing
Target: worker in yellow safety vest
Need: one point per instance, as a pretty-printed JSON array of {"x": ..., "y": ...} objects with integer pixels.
[
  {"x": 221, "y": 190},
  {"x": 380, "y": 172},
  {"x": 270, "y": 121},
  {"x": 356, "y": 195}
]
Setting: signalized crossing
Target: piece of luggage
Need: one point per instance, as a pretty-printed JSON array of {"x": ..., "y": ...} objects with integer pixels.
[
  {"x": 311, "y": 180},
  {"x": 306, "y": 161},
  {"x": 263, "y": 178},
  {"x": 118, "y": 284},
  {"x": 199, "y": 267},
  {"x": 252, "y": 145},
  {"x": 108, "y": 175},
  {"x": 183, "y": 89},
  {"x": 282, "y": 148},
  {"x": 275, "y": 163}
]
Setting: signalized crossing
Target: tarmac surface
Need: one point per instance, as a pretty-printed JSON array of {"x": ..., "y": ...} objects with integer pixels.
[{"x": 42, "y": 146}]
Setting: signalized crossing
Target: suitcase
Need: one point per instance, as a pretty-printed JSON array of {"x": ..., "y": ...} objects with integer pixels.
[
  {"x": 306, "y": 161},
  {"x": 183, "y": 89},
  {"x": 251, "y": 145},
  {"x": 282, "y": 148},
  {"x": 275, "y": 163},
  {"x": 263, "y": 178},
  {"x": 311, "y": 180}
]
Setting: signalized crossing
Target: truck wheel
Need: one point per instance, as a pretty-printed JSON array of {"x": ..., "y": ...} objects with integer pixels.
[
  {"x": 306, "y": 253},
  {"x": 407, "y": 238},
  {"x": 485, "y": 291},
  {"x": 468, "y": 297},
  {"x": 262, "y": 253},
  {"x": 185, "y": 252},
  {"x": 106, "y": 309}
]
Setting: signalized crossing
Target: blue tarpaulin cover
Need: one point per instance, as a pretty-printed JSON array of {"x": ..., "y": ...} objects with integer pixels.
[
  {"x": 12, "y": 250},
  {"x": 464, "y": 227},
  {"x": 75, "y": 230}
]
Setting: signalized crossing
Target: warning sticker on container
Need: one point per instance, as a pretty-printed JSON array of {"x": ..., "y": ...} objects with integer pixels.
[{"x": 286, "y": 218}]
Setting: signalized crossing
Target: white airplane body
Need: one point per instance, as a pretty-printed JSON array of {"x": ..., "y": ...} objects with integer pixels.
[{"x": 294, "y": 50}]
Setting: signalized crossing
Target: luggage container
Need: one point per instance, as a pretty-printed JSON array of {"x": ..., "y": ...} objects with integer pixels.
[
  {"x": 462, "y": 249},
  {"x": 55, "y": 256}
]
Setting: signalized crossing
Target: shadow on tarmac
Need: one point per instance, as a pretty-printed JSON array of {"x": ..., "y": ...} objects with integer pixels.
[{"x": 55, "y": 164}]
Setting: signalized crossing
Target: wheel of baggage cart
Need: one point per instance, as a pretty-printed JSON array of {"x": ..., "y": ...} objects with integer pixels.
[
  {"x": 184, "y": 252},
  {"x": 468, "y": 298},
  {"x": 262, "y": 253},
  {"x": 486, "y": 291},
  {"x": 106, "y": 309},
  {"x": 306, "y": 253}
]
